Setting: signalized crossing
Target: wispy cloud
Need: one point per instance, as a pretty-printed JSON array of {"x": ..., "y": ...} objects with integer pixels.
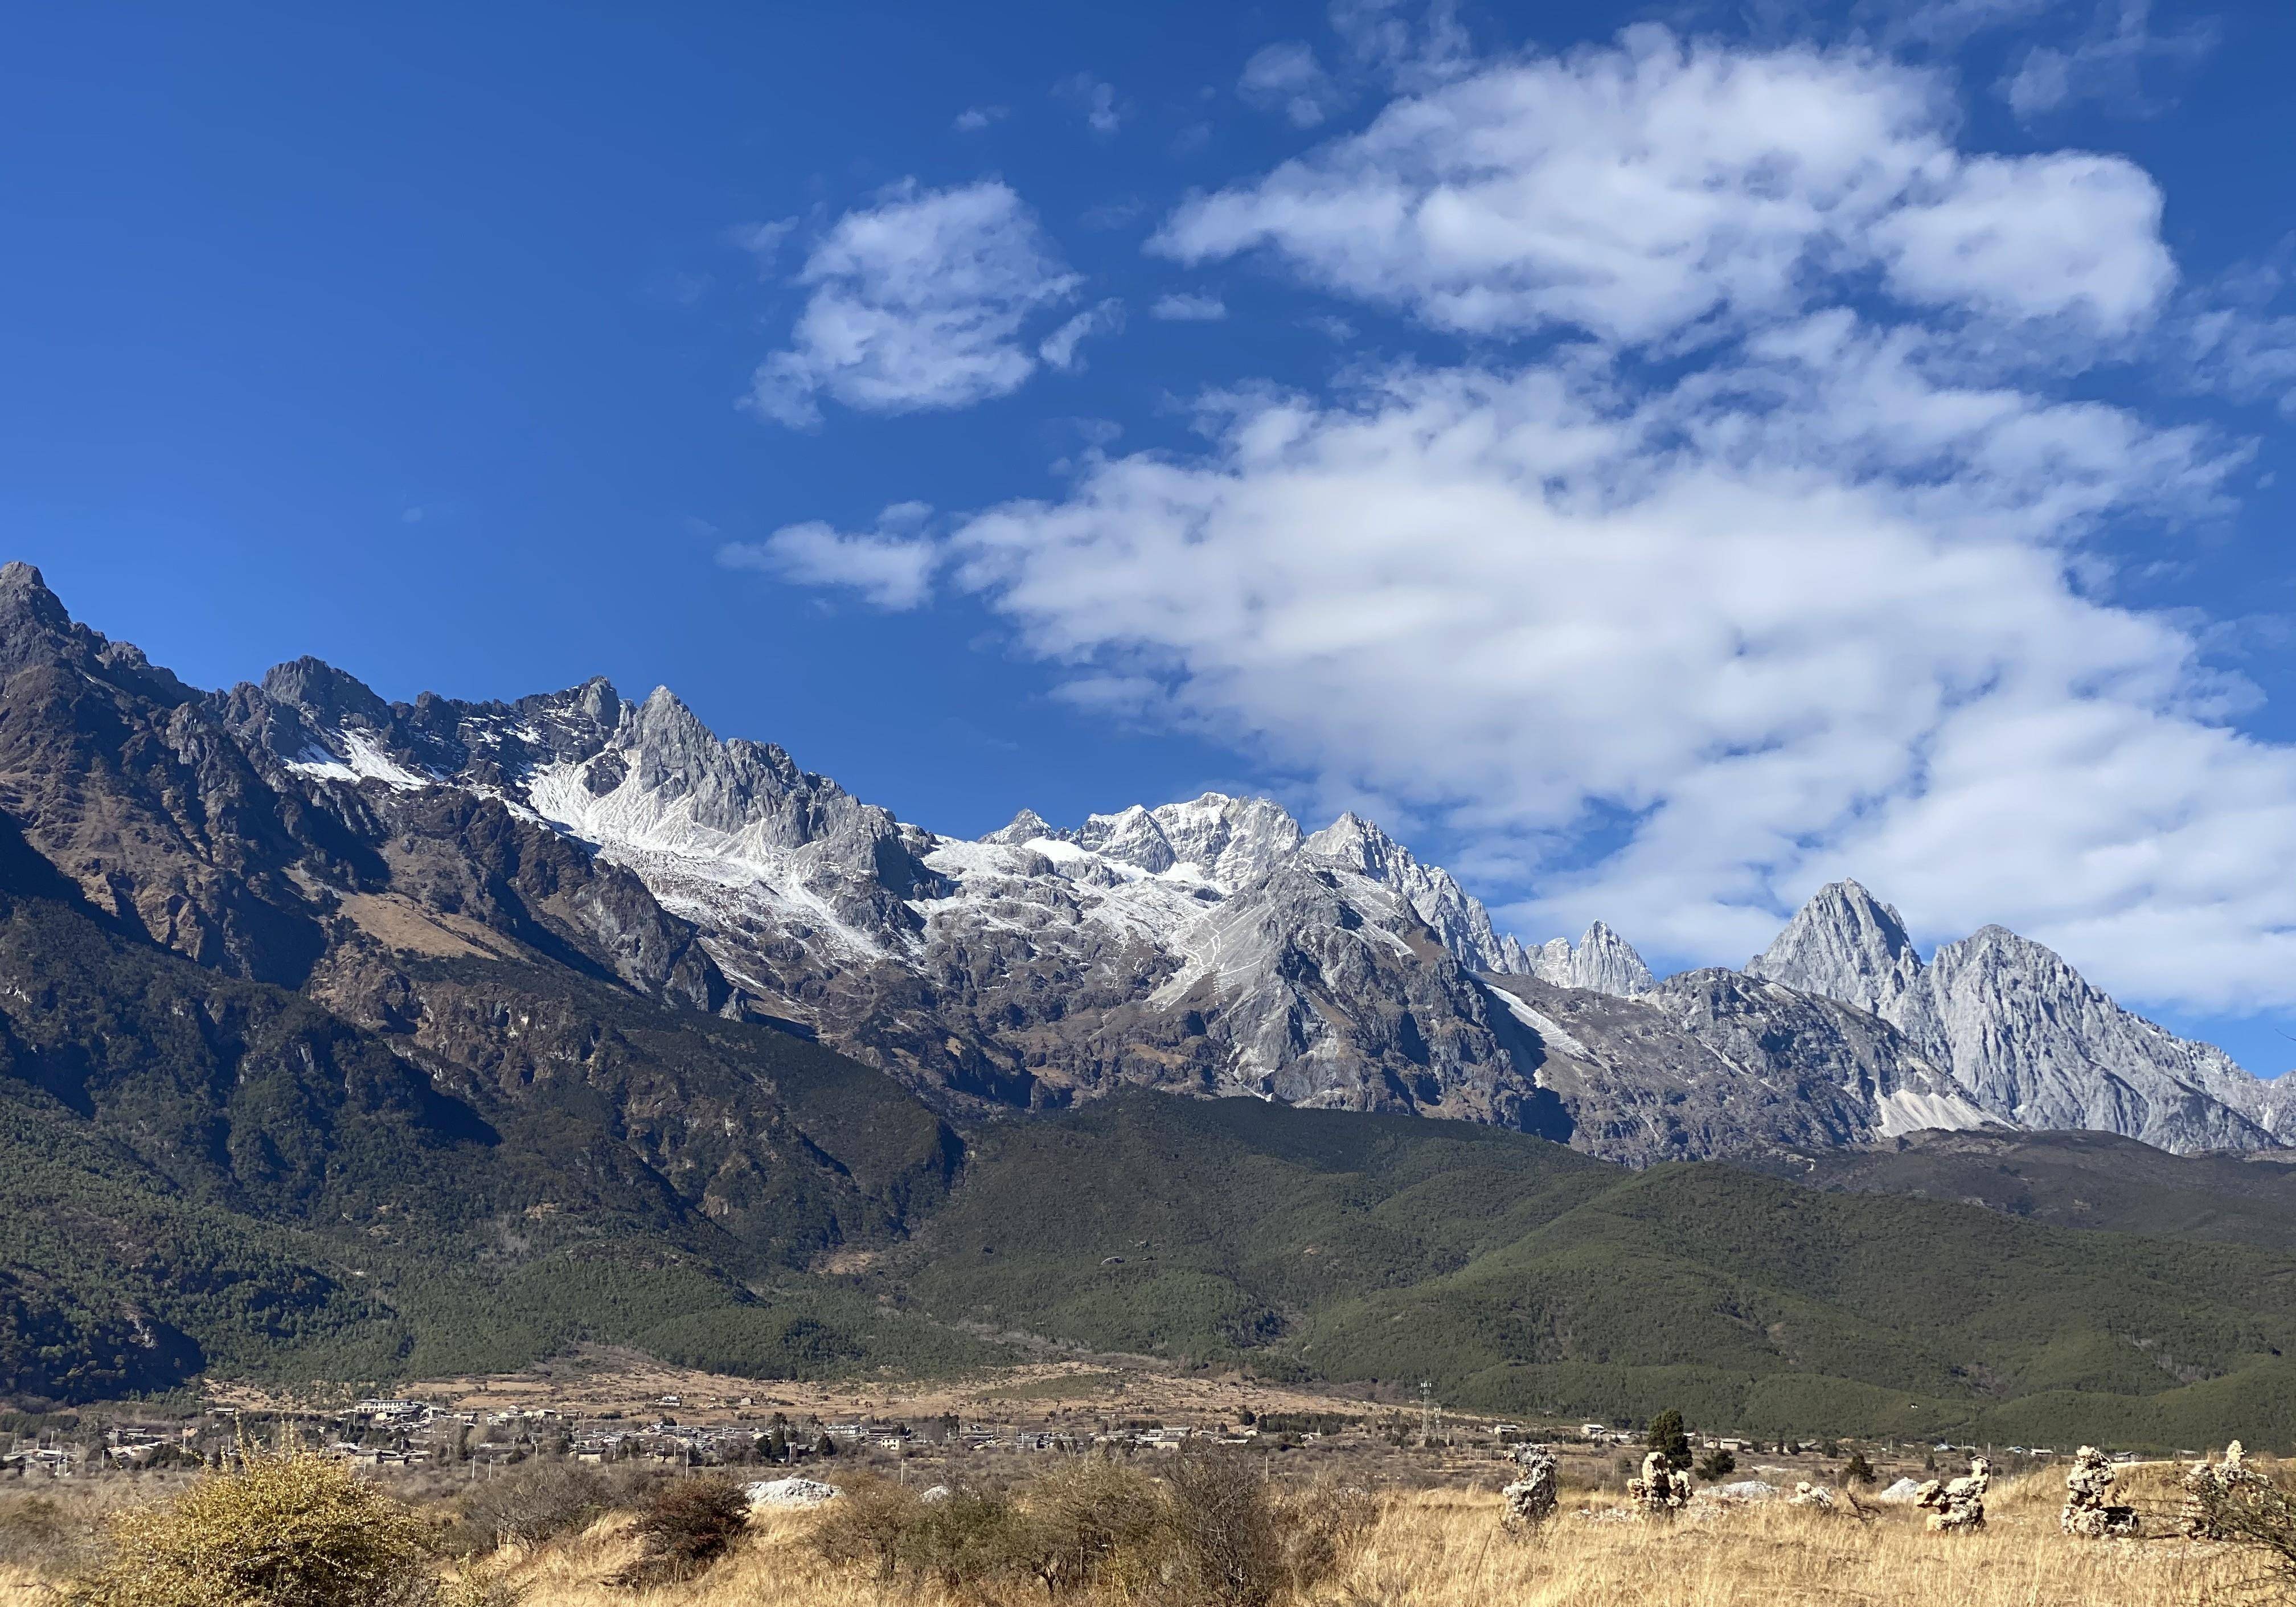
[
  {"x": 1184, "y": 308},
  {"x": 1097, "y": 98},
  {"x": 974, "y": 119},
  {"x": 2108, "y": 64},
  {"x": 1060, "y": 348},
  {"x": 1287, "y": 77},
  {"x": 891, "y": 568}
]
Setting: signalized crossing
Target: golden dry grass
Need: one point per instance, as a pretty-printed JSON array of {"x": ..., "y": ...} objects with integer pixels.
[{"x": 1445, "y": 1549}]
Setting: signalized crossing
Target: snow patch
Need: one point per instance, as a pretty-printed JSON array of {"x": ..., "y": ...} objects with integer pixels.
[
  {"x": 1908, "y": 1110},
  {"x": 1550, "y": 1032}
]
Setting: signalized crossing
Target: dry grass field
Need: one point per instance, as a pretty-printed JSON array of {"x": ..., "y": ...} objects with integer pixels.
[{"x": 1447, "y": 1549}]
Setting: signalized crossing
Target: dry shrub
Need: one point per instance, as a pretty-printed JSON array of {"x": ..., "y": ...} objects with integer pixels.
[
  {"x": 2258, "y": 1515},
  {"x": 1092, "y": 1524},
  {"x": 285, "y": 1531},
  {"x": 1232, "y": 1540},
  {"x": 869, "y": 1525},
  {"x": 533, "y": 1504},
  {"x": 39, "y": 1532},
  {"x": 1214, "y": 1531},
  {"x": 1323, "y": 1527},
  {"x": 686, "y": 1526},
  {"x": 966, "y": 1539}
]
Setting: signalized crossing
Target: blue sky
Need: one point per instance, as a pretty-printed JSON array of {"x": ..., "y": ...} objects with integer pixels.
[{"x": 1654, "y": 460}]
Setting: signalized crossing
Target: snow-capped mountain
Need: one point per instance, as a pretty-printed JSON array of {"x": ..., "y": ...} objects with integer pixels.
[{"x": 1213, "y": 946}]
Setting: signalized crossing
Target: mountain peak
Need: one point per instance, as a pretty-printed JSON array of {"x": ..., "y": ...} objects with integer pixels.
[
  {"x": 1844, "y": 943},
  {"x": 23, "y": 587},
  {"x": 333, "y": 695},
  {"x": 1601, "y": 962},
  {"x": 1026, "y": 826}
]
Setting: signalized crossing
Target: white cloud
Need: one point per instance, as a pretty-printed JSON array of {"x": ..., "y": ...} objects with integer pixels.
[
  {"x": 1287, "y": 77},
  {"x": 1662, "y": 189},
  {"x": 2107, "y": 64},
  {"x": 1059, "y": 348},
  {"x": 1826, "y": 599},
  {"x": 973, "y": 119},
  {"x": 1097, "y": 98},
  {"x": 891, "y": 568},
  {"x": 1411, "y": 42},
  {"x": 2231, "y": 341},
  {"x": 923, "y": 300},
  {"x": 1180, "y": 307}
]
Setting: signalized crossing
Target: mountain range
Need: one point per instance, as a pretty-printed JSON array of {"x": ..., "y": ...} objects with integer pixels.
[
  {"x": 1215, "y": 948},
  {"x": 357, "y": 1039}
]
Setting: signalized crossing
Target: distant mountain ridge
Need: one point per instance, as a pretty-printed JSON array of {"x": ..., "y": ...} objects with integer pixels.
[{"x": 1210, "y": 946}]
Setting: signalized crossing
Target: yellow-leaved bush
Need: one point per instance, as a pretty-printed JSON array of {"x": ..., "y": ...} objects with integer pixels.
[{"x": 284, "y": 1530}]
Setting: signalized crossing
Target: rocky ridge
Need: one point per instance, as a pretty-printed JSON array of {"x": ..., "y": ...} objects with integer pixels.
[{"x": 2029, "y": 1041}]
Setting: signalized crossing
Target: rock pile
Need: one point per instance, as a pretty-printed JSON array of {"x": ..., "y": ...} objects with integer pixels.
[
  {"x": 1957, "y": 1505},
  {"x": 1807, "y": 1494},
  {"x": 1661, "y": 1491},
  {"x": 1531, "y": 1499},
  {"x": 2089, "y": 1511},
  {"x": 790, "y": 1492},
  {"x": 2206, "y": 1485}
]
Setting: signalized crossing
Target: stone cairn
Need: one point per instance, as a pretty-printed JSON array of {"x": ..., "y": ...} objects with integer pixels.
[
  {"x": 1660, "y": 1492},
  {"x": 2088, "y": 1508},
  {"x": 2206, "y": 1483},
  {"x": 1957, "y": 1505},
  {"x": 1807, "y": 1494},
  {"x": 1531, "y": 1499}
]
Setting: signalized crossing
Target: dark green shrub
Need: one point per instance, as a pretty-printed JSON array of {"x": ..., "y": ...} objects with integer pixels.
[{"x": 1668, "y": 1439}]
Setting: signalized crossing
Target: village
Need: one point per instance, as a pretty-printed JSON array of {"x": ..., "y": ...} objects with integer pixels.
[{"x": 936, "y": 1436}]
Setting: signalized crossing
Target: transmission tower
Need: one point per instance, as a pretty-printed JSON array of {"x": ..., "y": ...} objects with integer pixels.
[{"x": 1431, "y": 1416}]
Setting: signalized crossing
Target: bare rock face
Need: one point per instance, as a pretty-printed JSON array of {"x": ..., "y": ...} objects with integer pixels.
[
  {"x": 1814, "y": 1497},
  {"x": 2024, "y": 1037},
  {"x": 1601, "y": 962},
  {"x": 1660, "y": 1492},
  {"x": 2207, "y": 1487},
  {"x": 1957, "y": 1505},
  {"x": 1715, "y": 1063},
  {"x": 2089, "y": 1511},
  {"x": 1531, "y": 1499},
  {"x": 1458, "y": 921}
]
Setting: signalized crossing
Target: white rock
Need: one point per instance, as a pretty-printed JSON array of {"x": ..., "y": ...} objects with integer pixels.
[{"x": 790, "y": 1492}]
